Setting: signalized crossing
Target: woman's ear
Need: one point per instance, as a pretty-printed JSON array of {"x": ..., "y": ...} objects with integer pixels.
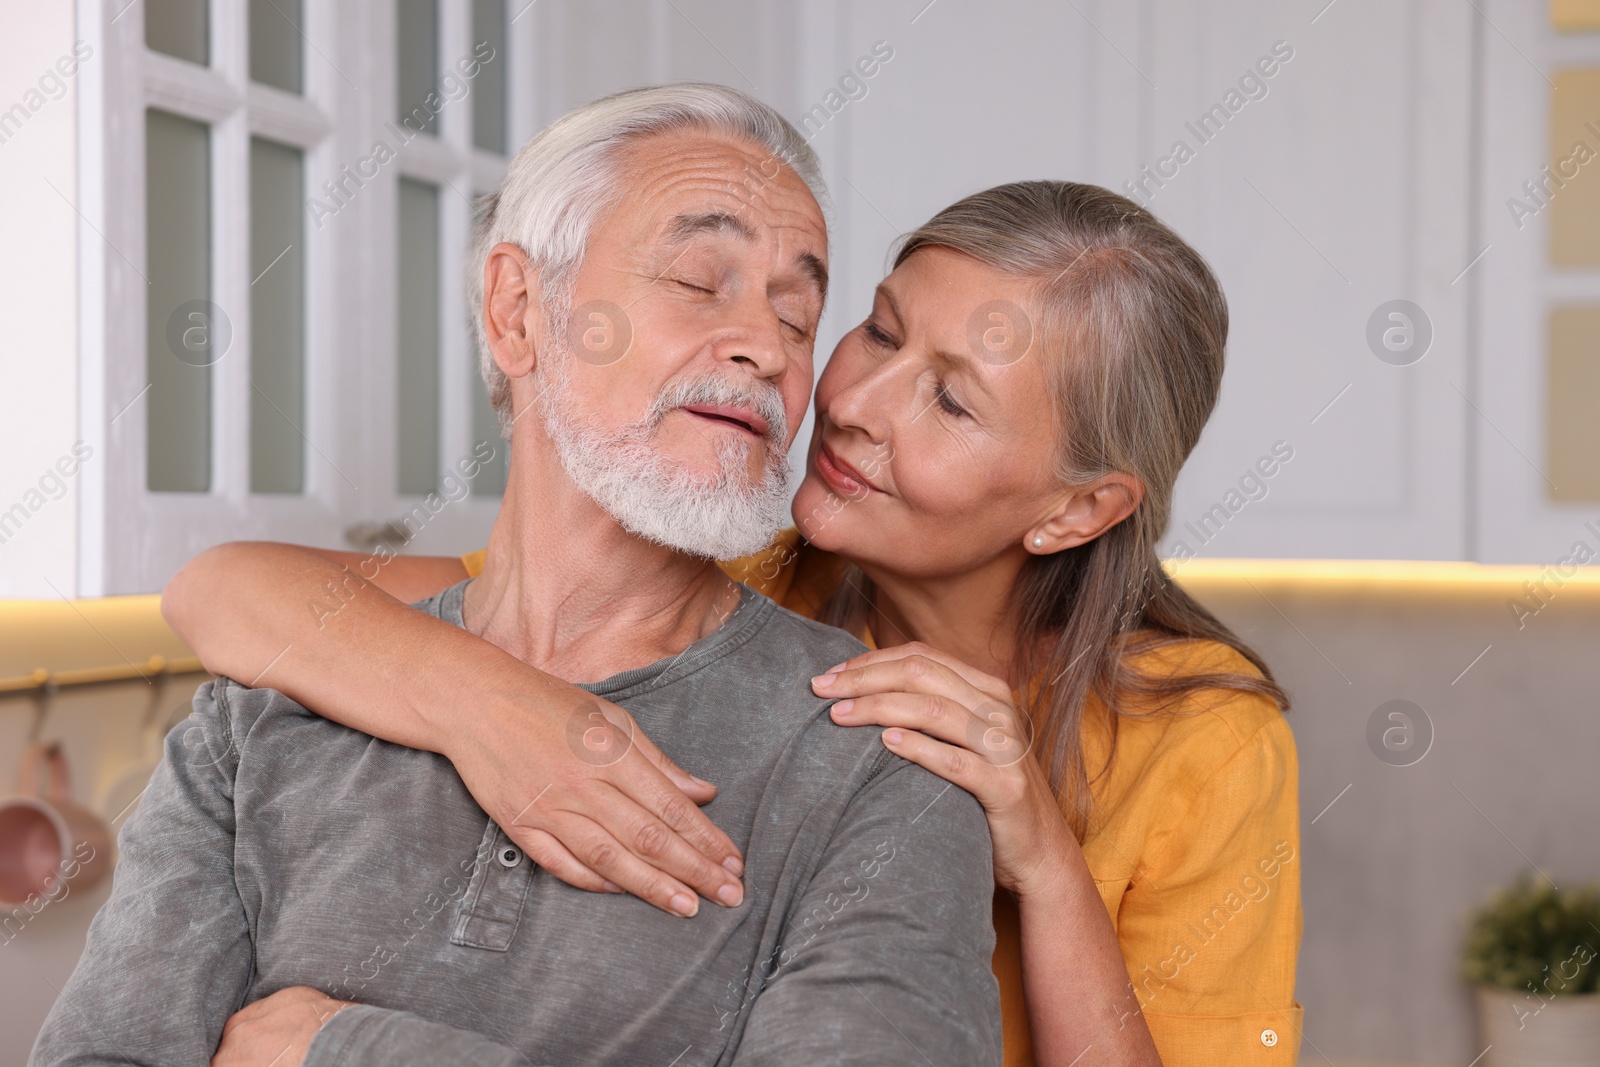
[
  {"x": 1085, "y": 513},
  {"x": 513, "y": 316}
]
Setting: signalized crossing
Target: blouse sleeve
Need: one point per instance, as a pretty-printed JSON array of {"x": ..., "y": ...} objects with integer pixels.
[{"x": 1211, "y": 926}]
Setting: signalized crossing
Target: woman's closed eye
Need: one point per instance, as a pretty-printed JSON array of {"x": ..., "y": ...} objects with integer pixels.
[
  {"x": 947, "y": 402},
  {"x": 876, "y": 335}
]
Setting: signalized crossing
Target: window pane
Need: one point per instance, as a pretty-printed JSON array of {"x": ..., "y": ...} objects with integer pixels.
[
  {"x": 178, "y": 28},
  {"x": 419, "y": 63},
  {"x": 418, "y": 421},
  {"x": 489, "y": 88},
  {"x": 185, "y": 333},
  {"x": 1575, "y": 214},
  {"x": 1573, "y": 395},
  {"x": 277, "y": 319},
  {"x": 275, "y": 44}
]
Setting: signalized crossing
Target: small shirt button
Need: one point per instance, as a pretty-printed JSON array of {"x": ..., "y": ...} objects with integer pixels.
[
  {"x": 510, "y": 857},
  {"x": 1269, "y": 1037}
]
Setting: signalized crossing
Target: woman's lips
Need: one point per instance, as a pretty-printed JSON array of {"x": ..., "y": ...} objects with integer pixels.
[{"x": 840, "y": 475}]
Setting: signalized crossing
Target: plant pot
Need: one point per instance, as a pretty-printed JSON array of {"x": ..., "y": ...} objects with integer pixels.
[{"x": 1522, "y": 1030}]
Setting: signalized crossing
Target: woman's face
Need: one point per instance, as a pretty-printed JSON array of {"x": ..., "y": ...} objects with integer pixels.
[{"x": 935, "y": 434}]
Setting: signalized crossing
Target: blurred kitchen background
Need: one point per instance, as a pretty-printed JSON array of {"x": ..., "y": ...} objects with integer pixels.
[{"x": 230, "y": 283}]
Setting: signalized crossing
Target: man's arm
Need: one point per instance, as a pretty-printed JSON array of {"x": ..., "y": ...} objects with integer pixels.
[
  {"x": 303, "y": 1027},
  {"x": 365, "y": 1036},
  {"x": 169, "y": 956},
  {"x": 327, "y": 630},
  {"x": 888, "y": 957}
]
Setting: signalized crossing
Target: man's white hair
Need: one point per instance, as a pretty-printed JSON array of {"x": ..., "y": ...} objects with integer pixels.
[{"x": 563, "y": 179}]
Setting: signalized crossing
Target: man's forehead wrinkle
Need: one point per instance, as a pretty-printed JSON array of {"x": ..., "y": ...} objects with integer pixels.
[
  {"x": 802, "y": 240},
  {"x": 682, "y": 227},
  {"x": 736, "y": 177},
  {"x": 704, "y": 150},
  {"x": 689, "y": 189},
  {"x": 687, "y": 208},
  {"x": 713, "y": 169},
  {"x": 677, "y": 233}
]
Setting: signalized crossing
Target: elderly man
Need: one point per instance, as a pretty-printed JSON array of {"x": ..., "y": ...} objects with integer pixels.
[{"x": 348, "y": 894}]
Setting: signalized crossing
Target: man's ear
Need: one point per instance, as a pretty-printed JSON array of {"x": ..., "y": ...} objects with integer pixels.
[
  {"x": 1085, "y": 513},
  {"x": 513, "y": 314}
]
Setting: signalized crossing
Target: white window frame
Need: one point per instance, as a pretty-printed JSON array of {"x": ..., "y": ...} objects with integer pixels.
[{"x": 131, "y": 539}]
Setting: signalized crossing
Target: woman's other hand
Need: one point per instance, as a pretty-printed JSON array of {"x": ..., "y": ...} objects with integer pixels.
[{"x": 964, "y": 726}]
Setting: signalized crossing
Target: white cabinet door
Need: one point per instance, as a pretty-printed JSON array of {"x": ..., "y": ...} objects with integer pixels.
[
  {"x": 1517, "y": 510},
  {"x": 200, "y": 154},
  {"x": 1333, "y": 186}
]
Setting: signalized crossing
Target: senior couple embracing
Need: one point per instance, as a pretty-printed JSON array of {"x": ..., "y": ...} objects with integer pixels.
[{"x": 949, "y": 771}]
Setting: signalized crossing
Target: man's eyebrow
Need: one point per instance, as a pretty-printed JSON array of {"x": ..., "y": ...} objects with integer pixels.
[
  {"x": 816, "y": 270},
  {"x": 684, "y": 227}
]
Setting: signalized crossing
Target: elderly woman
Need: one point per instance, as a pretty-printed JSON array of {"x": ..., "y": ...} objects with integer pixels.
[{"x": 992, "y": 466}]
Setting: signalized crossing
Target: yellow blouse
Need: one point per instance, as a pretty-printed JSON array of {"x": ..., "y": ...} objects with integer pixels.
[{"x": 1195, "y": 847}]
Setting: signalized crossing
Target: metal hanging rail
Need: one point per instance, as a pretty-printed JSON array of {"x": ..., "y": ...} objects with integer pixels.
[{"x": 44, "y": 681}]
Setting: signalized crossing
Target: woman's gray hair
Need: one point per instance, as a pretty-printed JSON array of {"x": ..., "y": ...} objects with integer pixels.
[{"x": 563, "y": 179}]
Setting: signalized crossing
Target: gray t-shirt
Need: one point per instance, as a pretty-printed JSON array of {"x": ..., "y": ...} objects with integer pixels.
[{"x": 275, "y": 848}]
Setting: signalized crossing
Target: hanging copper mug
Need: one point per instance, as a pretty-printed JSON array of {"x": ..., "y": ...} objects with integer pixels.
[{"x": 48, "y": 844}]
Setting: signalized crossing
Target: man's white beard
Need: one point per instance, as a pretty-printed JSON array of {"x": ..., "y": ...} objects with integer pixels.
[{"x": 652, "y": 495}]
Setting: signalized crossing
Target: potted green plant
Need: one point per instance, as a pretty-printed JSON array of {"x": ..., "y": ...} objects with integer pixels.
[{"x": 1533, "y": 955}]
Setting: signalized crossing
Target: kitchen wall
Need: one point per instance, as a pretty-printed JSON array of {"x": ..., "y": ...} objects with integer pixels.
[
  {"x": 108, "y": 734},
  {"x": 38, "y": 298},
  {"x": 1396, "y": 855}
]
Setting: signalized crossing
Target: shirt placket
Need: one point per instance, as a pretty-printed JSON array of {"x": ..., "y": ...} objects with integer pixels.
[{"x": 492, "y": 907}]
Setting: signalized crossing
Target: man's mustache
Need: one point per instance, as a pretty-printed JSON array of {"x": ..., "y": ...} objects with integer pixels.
[{"x": 764, "y": 397}]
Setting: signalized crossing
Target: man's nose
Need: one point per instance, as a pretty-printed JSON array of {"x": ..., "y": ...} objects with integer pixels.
[{"x": 755, "y": 338}]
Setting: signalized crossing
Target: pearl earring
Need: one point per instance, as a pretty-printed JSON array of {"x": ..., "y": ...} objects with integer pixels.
[{"x": 1038, "y": 542}]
